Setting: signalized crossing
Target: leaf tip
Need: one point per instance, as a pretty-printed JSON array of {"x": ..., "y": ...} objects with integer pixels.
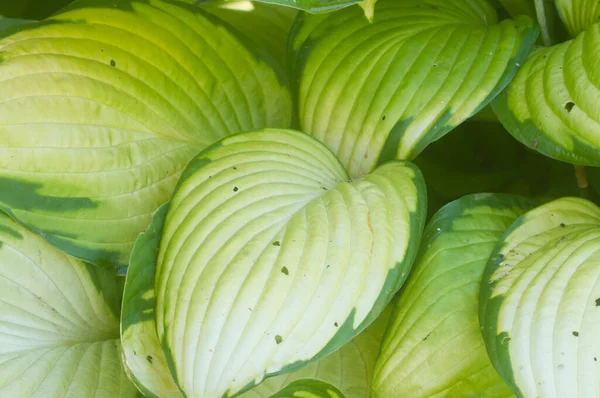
[{"x": 368, "y": 7}]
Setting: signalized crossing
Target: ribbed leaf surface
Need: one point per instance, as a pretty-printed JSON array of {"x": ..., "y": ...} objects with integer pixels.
[
  {"x": 578, "y": 15},
  {"x": 59, "y": 324},
  {"x": 552, "y": 104},
  {"x": 103, "y": 106},
  {"x": 433, "y": 346},
  {"x": 270, "y": 259},
  {"x": 384, "y": 90},
  {"x": 540, "y": 302}
]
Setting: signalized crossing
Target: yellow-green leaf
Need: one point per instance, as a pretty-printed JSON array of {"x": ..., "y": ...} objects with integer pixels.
[
  {"x": 433, "y": 346},
  {"x": 104, "y": 104},
  {"x": 59, "y": 322},
  {"x": 552, "y": 103},
  {"x": 539, "y": 304},
  {"x": 271, "y": 259},
  {"x": 578, "y": 15},
  {"x": 384, "y": 90}
]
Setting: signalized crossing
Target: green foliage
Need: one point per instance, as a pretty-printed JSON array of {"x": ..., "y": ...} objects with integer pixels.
[{"x": 213, "y": 199}]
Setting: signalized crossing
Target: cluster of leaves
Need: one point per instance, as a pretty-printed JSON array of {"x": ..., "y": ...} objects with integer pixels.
[{"x": 260, "y": 199}]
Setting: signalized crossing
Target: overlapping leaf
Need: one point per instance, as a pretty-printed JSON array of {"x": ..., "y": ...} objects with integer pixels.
[
  {"x": 143, "y": 357},
  {"x": 374, "y": 92},
  {"x": 540, "y": 302},
  {"x": 270, "y": 259},
  {"x": 59, "y": 324},
  {"x": 578, "y": 15},
  {"x": 433, "y": 346},
  {"x": 349, "y": 369},
  {"x": 552, "y": 104},
  {"x": 102, "y": 107}
]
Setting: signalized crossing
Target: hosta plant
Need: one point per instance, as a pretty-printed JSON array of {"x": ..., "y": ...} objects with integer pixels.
[{"x": 312, "y": 199}]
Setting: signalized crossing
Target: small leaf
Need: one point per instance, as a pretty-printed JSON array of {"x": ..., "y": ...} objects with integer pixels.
[
  {"x": 433, "y": 345},
  {"x": 385, "y": 90},
  {"x": 537, "y": 304},
  {"x": 59, "y": 320}
]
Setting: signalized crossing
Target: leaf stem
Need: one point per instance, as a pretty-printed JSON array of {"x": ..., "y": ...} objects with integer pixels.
[
  {"x": 585, "y": 190},
  {"x": 582, "y": 181},
  {"x": 540, "y": 11}
]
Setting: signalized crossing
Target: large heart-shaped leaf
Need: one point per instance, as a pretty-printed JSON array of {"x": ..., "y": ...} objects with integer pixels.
[
  {"x": 540, "y": 302},
  {"x": 59, "y": 323},
  {"x": 102, "y": 107},
  {"x": 578, "y": 15},
  {"x": 433, "y": 346},
  {"x": 552, "y": 104},
  {"x": 270, "y": 259},
  {"x": 374, "y": 92},
  {"x": 350, "y": 369}
]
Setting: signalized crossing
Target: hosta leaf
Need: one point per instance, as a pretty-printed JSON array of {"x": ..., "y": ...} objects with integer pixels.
[
  {"x": 309, "y": 389},
  {"x": 552, "y": 104},
  {"x": 433, "y": 345},
  {"x": 59, "y": 324},
  {"x": 540, "y": 299},
  {"x": 102, "y": 107},
  {"x": 578, "y": 15},
  {"x": 270, "y": 259},
  {"x": 267, "y": 25},
  {"x": 143, "y": 357},
  {"x": 350, "y": 368},
  {"x": 373, "y": 92}
]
